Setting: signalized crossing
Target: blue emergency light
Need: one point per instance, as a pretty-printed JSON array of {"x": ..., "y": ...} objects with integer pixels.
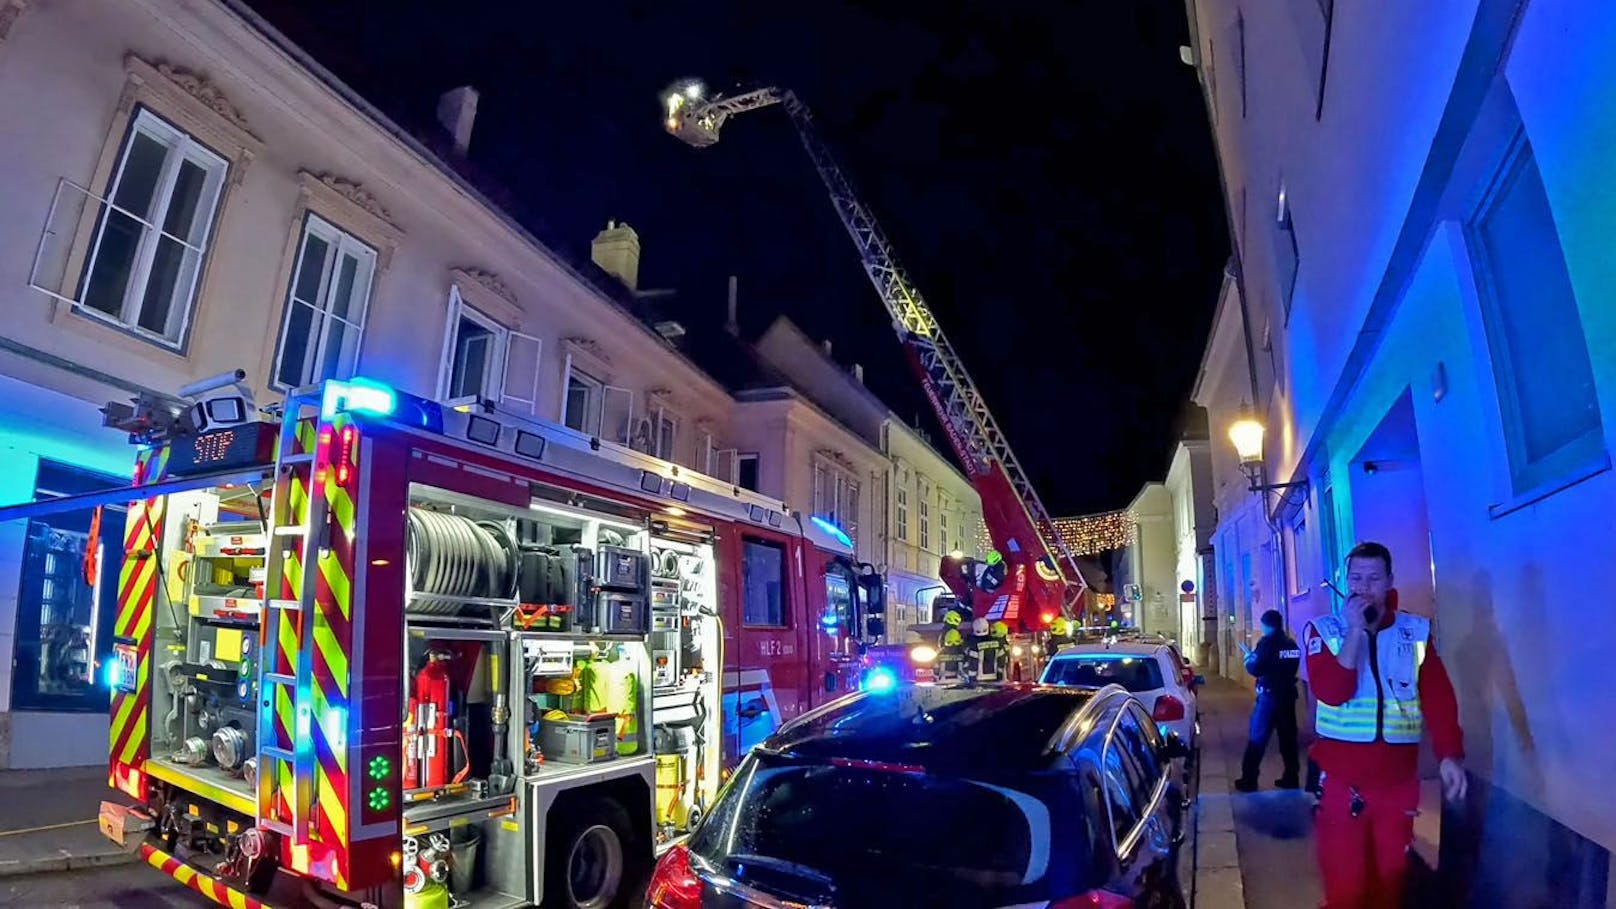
[
  {"x": 837, "y": 532},
  {"x": 879, "y": 680}
]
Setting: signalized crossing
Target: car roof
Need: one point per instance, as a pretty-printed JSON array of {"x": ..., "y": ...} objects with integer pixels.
[
  {"x": 965, "y": 730},
  {"x": 1125, "y": 648}
]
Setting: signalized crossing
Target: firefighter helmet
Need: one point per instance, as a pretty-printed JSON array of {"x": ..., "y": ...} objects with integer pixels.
[
  {"x": 953, "y": 638},
  {"x": 1000, "y": 630},
  {"x": 952, "y": 618},
  {"x": 980, "y": 628}
]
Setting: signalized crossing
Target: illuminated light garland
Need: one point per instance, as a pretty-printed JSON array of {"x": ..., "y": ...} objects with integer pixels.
[{"x": 1088, "y": 534}]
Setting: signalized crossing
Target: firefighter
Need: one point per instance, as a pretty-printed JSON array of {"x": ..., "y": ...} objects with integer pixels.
[
  {"x": 1274, "y": 662},
  {"x": 1380, "y": 687},
  {"x": 951, "y": 646}
]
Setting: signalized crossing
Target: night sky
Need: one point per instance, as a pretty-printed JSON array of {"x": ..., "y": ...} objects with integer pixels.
[{"x": 1044, "y": 170}]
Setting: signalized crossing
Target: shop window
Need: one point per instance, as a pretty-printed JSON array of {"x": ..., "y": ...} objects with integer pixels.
[
  {"x": 763, "y": 583},
  {"x": 64, "y": 612}
]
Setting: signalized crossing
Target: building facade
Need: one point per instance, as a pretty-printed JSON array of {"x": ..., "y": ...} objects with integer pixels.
[
  {"x": 1419, "y": 311},
  {"x": 1189, "y": 490},
  {"x": 1149, "y": 576},
  {"x": 188, "y": 194},
  {"x": 920, "y": 506}
]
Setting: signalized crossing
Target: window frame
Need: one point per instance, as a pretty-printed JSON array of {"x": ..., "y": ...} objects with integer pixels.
[
  {"x": 1126, "y": 844},
  {"x": 1581, "y": 456},
  {"x": 179, "y": 145},
  {"x": 756, "y": 460},
  {"x": 338, "y": 243},
  {"x": 784, "y": 618},
  {"x": 594, "y": 397},
  {"x": 496, "y": 369},
  {"x": 901, "y": 502},
  {"x": 1285, "y": 233},
  {"x": 923, "y": 516},
  {"x": 666, "y": 418}
]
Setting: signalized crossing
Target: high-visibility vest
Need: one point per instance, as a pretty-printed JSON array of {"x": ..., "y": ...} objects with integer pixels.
[{"x": 1389, "y": 704}]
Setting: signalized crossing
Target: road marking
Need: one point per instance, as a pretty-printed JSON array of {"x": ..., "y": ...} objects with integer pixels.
[{"x": 46, "y": 827}]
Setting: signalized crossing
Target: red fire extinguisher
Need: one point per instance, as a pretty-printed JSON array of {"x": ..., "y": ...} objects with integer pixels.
[{"x": 427, "y": 755}]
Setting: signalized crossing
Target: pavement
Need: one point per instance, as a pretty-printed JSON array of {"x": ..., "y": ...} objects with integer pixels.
[
  {"x": 48, "y": 822},
  {"x": 1255, "y": 850}
]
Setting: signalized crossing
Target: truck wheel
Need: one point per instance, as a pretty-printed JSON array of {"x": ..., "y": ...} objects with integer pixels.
[{"x": 592, "y": 860}]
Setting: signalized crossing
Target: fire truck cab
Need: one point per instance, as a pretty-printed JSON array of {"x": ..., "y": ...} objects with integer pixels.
[{"x": 387, "y": 652}]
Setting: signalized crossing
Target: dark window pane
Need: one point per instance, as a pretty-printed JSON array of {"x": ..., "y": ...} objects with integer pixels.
[
  {"x": 580, "y": 414},
  {"x": 340, "y": 341},
  {"x": 749, "y": 474},
  {"x": 342, "y": 298},
  {"x": 1545, "y": 375},
  {"x": 142, "y": 167},
  {"x": 170, "y": 275},
  {"x": 763, "y": 581},
  {"x": 114, "y": 260},
  {"x": 295, "y": 346},
  {"x": 473, "y": 345},
  {"x": 311, "y": 269},
  {"x": 183, "y": 201}
]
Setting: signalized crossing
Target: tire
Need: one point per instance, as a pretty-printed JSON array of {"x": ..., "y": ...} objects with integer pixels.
[{"x": 593, "y": 858}]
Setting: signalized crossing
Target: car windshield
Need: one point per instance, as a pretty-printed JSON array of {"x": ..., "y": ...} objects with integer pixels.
[
  {"x": 858, "y": 834},
  {"x": 1131, "y": 671}
]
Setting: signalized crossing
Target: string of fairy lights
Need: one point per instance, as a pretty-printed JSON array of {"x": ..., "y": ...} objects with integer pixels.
[{"x": 1085, "y": 535}]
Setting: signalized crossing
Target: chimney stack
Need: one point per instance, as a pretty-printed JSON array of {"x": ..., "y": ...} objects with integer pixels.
[
  {"x": 825, "y": 346},
  {"x": 858, "y": 373},
  {"x": 457, "y": 111},
  {"x": 617, "y": 251},
  {"x": 733, "y": 325}
]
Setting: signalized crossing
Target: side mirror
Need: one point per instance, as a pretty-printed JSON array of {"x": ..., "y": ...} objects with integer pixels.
[{"x": 1173, "y": 747}]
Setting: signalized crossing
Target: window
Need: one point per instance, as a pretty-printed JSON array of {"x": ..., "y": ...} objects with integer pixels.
[
  {"x": 903, "y": 505},
  {"x": 821, "y": 497},
  {"x": 1120, "y": 777},
  {"x": 746, "y": 471},
  {"x": 325, "y": 307},
  {"x": 1131, "y": 671},
  {"x": 485, "y": 360},
  {"x": 1327, "y": 535},
  {"x": 925, "y": 516},
  {"x": 1314, "y": 22},
  {"x": 847, "y": 508},
  {"x": 581, "y": 408},
  {"x": 153, "y": 235},
  {"x": 667, "y": 435},
  {"x": 763, "y": 576},
  {"x": 1132, "y": 772},
  {"x": 942, "y": 525},
  {"x": 1138, "y": 733},
  {"x": 64, "y": 620},
  {"x": 1539, "y": 352},
  {"x": 1285, "y": 254},
  {"x": 1298, "y": 563}
]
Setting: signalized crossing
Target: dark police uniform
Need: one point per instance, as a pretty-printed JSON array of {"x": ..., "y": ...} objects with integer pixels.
[{"x": 1274, "y": 662}]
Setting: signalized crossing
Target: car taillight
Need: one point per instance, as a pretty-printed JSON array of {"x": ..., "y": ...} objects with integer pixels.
[
  {"x": 1094, "y": 899},
  {"x": 1168, "y": 709},
  {"x": 674, "y": 884}
]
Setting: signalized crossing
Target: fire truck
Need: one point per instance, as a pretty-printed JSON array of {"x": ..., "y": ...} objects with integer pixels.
[{"x": 386, "y": 652}]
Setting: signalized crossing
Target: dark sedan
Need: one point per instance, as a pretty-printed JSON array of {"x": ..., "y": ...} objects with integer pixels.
[{"x": 960, "y": 796}]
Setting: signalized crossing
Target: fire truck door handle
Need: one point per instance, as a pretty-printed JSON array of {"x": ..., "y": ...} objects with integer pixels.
[{"x": 754, "y": 709}]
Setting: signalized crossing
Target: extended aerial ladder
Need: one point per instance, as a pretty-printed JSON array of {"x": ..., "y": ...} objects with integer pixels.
[{"x": 1043, "y": 580}]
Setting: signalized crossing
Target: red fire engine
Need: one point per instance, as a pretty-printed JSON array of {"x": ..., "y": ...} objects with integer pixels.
[{"x": 391, "y": 653}]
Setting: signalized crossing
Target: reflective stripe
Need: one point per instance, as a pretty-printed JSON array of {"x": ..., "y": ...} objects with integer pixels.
[{"x": 1401, "y": 722}]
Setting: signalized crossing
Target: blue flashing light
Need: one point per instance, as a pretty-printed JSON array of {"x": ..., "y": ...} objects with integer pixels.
[
  {"x": 837, "y": 532},
  {"x": 112, "y": 675},
  {"x": 358, "y": 396},
  {"x": 829, "y": 622},
  {"x": 880, "y": 680},
  {"x": 335, "y": 725}
]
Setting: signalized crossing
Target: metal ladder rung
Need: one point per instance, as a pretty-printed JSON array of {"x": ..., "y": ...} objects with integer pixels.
[
  {"x": 280, "y": 678},
  {"x": 280, "y": 754},
  {"x": 275, "y": 826},
  {"x": 289, "y": 460},
  {"x": 295, "y": 530}
]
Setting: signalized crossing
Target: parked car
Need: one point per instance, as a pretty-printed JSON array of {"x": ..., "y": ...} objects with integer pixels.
[
  {"x": 955, "y": 796},
  {"x": 1152, "y": 670}
]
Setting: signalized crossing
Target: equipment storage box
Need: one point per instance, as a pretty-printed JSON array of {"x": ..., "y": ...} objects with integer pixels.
[{"x": 579, "y": 741}]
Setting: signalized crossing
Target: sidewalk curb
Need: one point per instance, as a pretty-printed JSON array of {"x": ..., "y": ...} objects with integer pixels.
[{"x": 56, "y": 864}]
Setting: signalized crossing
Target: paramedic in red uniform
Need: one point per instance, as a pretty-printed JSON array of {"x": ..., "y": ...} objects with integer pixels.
[{"x": 1380, "y": 687}]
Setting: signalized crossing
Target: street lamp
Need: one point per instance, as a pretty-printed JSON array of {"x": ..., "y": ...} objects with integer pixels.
[{"x": 1246, "y": 433}]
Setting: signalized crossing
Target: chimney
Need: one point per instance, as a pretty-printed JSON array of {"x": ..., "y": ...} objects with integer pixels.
[
  {"x": 858, "y": 373},
  {"x": 825, "y": 346},
  {"x": 617, "y": 251},
  {"x": 733, "y": 325},
  {"x": 457, "y": 111}
]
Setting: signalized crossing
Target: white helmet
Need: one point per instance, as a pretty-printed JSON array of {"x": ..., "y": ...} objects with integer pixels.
[{"x": 980, "y": 628}]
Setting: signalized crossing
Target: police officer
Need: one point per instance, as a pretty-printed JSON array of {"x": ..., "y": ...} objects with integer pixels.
[{"x": 1274, "y": 662}]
